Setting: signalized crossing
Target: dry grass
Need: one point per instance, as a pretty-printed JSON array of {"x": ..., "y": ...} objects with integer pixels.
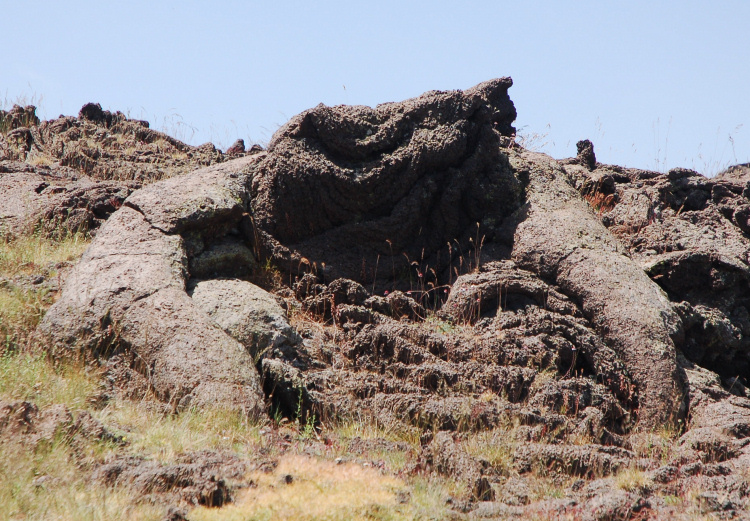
[
  {"x": 33, "y": 377},
  {"x": 601, "y": 203},
  {"x": 661, "y": 444},
  {"x": 165, "y": 436},
  {"x": 47, "y": 482},
  {"x": 369, "y": 429},
  {"x": 394, "y": 460},
  {"x": 21, "y": 309},
  {"x": 20, "y": 312},
  {"x": 496, "y": 447},
  {"x": 633, "y": 479},
  {"x": 38, "y": 159},
  {"x": 319, "y": 490},
  {"x": 27, "y": 255},
  {"x": 323, "y": 490}
]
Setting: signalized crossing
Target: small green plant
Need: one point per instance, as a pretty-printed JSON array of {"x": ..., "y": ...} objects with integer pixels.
[
  {"x": 307, "y": 429},
  {"x": 439, "y": 325},
  {"x": 601, "y": 203}
]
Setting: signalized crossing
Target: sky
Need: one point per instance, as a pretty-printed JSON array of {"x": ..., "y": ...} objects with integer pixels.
[{"x": 654, "y": 84}]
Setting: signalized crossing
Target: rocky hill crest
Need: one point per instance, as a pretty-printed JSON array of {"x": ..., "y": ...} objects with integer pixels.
[{"x": 413, "y": 264}]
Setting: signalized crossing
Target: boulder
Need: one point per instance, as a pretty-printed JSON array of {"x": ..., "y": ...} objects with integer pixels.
[
  {"x": 560, "y": 238},
  {"x": 129, "y": 292},
  {"x": 409, "y": 195},
  {"x": 364, "y": 193},
  {"x": 245, "y": 312}
]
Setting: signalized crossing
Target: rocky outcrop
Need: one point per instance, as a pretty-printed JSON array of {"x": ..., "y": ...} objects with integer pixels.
[
  {"x": 99, "y": 144},
  {"x": 561, "y": 239},
  {"x": 55, "y": 201},
  {"x": 129, "y": 292},
  {"x": 453, "y": 264},
  {"x": 199, "y": 478},
  {"x": 688, "y": 234},
  {"x": 69, "y": 174},
  {"x": 432, "y": 179},
  {"x": 25, "y": 423},
  {"x": 382, "y": 195},
  {"x": 438, "y": 278}
]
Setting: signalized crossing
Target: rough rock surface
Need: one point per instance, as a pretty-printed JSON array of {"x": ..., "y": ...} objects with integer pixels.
[
  {"x": 70, "y": 174},
  {"x": 23, "y": 421},
  {"x": 128, "y": 291},
  {"x": 560, "y": 239},
  {"x": 99, "y": 144},
  {"x": 362, "y": 193},
  {"x": 55, "y": 200},
  {"x": 440, "y": 277},
  {"x": 201, "y": 478},
  {"x": 430, "y": 176},
  {"x": 246, "y": 312}
]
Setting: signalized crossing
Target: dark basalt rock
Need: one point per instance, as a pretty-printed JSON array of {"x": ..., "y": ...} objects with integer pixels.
[{"x": 363, "y": 193}]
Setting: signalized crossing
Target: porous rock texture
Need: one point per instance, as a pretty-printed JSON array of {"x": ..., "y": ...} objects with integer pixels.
[
  {"x": 197, "y": 478},
  {"x": 129, "y": 291},
  {"x": 430, "y": 178},
  {"x": 561, "y": 240},
  {"x": 443, "y": 277},
  {"x": 69, "y": 174},
  {"x": 99, "y": 144},
  {"x": 54, "y": 201},
  {"x": 345, "y": 186}
]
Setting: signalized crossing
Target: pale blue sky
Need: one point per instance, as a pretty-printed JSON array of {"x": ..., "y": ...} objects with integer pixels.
[{"x": 653, "y": 84}]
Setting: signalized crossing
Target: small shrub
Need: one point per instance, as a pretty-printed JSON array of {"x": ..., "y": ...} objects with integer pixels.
[{"x": 601, "y": 203}]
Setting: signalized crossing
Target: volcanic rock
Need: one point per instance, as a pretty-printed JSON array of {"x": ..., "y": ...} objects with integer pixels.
[
  {"x": 55, "y": 201},
  {"x": 99, "y": 144},
  {"x": 128, "y": 291},
  {"x": 454, "y": 265}
]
